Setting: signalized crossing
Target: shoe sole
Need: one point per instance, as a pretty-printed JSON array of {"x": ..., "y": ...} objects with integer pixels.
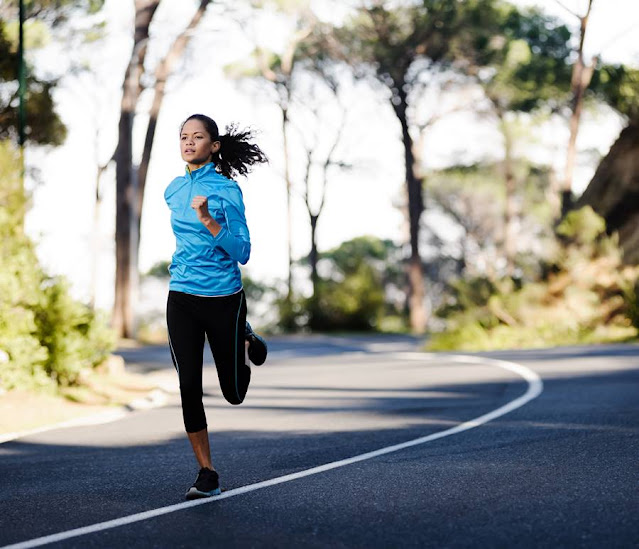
[{"x": 194, "y": 493}]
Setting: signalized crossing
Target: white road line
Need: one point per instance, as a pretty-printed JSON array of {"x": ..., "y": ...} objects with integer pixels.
[{"x": 535, "y": 387}]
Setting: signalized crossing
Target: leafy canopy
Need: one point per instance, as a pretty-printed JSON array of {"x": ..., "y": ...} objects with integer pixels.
[{"x": 43, "y": 125}]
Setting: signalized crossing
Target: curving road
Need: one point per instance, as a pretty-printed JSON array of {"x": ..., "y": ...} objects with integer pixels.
[{"x": 316, "y": 456}]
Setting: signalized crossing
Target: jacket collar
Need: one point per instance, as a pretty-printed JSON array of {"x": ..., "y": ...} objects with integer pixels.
[{"x": 207, "y": 168}]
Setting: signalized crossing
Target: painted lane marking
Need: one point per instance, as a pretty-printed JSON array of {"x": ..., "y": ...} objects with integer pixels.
[{"x": 535, "y": 387}]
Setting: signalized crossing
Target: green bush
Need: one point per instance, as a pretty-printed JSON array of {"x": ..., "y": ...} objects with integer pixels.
[
  {"x": 354, "y": 303},
  {"x": 46, "y": 337},
  {"x": 631, "y": 300},
  {"x": 587, "y": 296},
  {"x": 352, "y": 297},
  {"x": 75, "y": 337},
  {"x": 582, "y": 226}
]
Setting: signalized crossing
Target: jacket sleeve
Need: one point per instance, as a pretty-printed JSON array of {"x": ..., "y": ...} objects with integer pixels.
[{"x": 234, "y": 238}]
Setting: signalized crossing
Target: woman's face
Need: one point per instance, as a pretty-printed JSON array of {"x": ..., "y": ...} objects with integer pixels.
[{"x": 196, "y": 144}]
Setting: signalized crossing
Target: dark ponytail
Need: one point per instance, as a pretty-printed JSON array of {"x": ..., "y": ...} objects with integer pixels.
[{"x": 237, "y": 154}]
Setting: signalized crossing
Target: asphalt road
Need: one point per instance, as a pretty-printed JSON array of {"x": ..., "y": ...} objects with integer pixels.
[{"x": 560, "y": 470}]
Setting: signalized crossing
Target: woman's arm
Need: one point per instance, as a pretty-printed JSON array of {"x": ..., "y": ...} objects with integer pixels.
[
  {"x": 201, "y": 206},
  {"x": 234, "y": 238}
]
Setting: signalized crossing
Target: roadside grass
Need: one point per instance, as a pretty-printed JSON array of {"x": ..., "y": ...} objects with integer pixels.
[{"x": 103, "y": 389}]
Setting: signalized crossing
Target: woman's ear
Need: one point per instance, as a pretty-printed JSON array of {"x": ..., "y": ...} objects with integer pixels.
[{"x": 215, "y": 147}]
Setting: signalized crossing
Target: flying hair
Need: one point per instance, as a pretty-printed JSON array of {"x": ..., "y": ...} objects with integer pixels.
[{"x": 237, "y": 154}]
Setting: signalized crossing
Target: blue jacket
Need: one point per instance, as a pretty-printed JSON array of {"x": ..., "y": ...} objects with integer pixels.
[{"x": 203, "y": 264}]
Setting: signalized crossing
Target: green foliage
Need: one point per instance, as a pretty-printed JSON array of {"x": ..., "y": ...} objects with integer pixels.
[
  {"x": 618, "y": 86},
  {"x": 43, "y": 125},
  {"x": 588, "y": 296},
  {"x": 19, "y": 282},
  {"x": 159, "y": 270},
  {"x": 353, "y": 296},
  {"x": 387, "y": 41},
  {"x": 582, "y": 227},
  {"x": 36, "y": 34},
  {"x": 46, "y": 338},
  {"x": 631, "y": 298},
  {"x": 528, "y": 61},
  {"x": 54, "y": 12},
  {"x": 253, "y": 289},
  {"x": 76, "y": 339},
  {"x": 291, "y": 313},
  {"x": 468, "y": 294},
  {"x": 354, "y": 303},
  {"x": 43, "y": 17},
  {"x": 473, "y": 198}
]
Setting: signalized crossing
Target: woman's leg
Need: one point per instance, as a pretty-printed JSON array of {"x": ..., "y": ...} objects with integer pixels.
[
  {"x": 225, "y": 328},
  {"x": 201, "y": 448},
  {"x": 186, "y": 341}
]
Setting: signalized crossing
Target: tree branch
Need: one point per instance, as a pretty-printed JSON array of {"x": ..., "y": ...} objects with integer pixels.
[{"x": 574, "y": 14}]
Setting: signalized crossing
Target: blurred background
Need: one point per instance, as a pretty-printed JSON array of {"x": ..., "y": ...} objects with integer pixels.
[{"x": 467, "y": 171}]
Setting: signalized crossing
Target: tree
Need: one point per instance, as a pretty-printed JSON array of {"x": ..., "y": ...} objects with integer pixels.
[
  {"x": 43, "y": 19},
  {"x": 354, "y": 296},
  {"x": 524, "y": 69},
  {"x": 398, "y": 45},
  {"x": 162, "y": 72},
  {"x": 580, "y": 80},
  {"x": 46, "y": 338},
  {"x": 314, "y": 212},
  {"x": 278, "y": 70},
  {"x": 473, "y": 199},
  {"x": 130, "y": 182},
  {"x": 122, "y": 319},
  {"x": 595, "y": 80}
]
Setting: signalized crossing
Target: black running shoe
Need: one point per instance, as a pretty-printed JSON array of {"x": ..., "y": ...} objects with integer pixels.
[
  {"x": 257, "y": 346},
  {"x": 206, "y": 485}
]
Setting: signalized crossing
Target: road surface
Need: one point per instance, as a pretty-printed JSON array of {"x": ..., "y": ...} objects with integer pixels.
[{"x": 317, "y": 455}]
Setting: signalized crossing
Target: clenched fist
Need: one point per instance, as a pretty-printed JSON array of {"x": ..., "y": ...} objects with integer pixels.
[{"x": 201, "y": 206}]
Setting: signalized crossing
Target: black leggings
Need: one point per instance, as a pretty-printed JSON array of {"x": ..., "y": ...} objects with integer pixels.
[{"x": 223, "y": 321}]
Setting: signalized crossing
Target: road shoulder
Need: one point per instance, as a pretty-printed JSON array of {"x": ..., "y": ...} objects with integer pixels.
[{"x": 106, "y": 394}]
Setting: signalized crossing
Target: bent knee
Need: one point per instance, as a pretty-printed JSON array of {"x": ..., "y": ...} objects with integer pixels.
[
  {"x": 235, "y": 401},
  {"x": 234, "y": 398}
]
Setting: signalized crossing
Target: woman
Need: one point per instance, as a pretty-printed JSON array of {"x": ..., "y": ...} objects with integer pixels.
[{"x": 205, "y": 291}]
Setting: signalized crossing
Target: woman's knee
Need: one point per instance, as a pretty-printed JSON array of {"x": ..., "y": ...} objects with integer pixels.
[
  {"x": 234, "y": 396},
  {"x": 190, "y": 392}
]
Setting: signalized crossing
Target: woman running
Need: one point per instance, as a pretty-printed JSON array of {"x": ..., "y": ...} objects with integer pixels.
[{"x": 205, "y": 291}]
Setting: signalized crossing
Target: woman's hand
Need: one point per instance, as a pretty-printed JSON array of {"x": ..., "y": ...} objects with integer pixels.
[{"x": 201, "y": 206}]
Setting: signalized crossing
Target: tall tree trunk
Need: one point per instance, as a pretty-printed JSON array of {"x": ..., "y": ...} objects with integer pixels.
[
  {"x": 613, "y": 191},
  {"x": 95, "y": 236},
  {"x": 313, "y": 256},
  {"x": 417, "y": 291},
  {"x": 162, "y": 73},
  {"x": 580, "y": 80},
  {"x": 282, "y": 79},
  {"x": 122, "y": 319},
  {"x": 289, "y": 205},
  {"x": 510, "y": 207}
]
